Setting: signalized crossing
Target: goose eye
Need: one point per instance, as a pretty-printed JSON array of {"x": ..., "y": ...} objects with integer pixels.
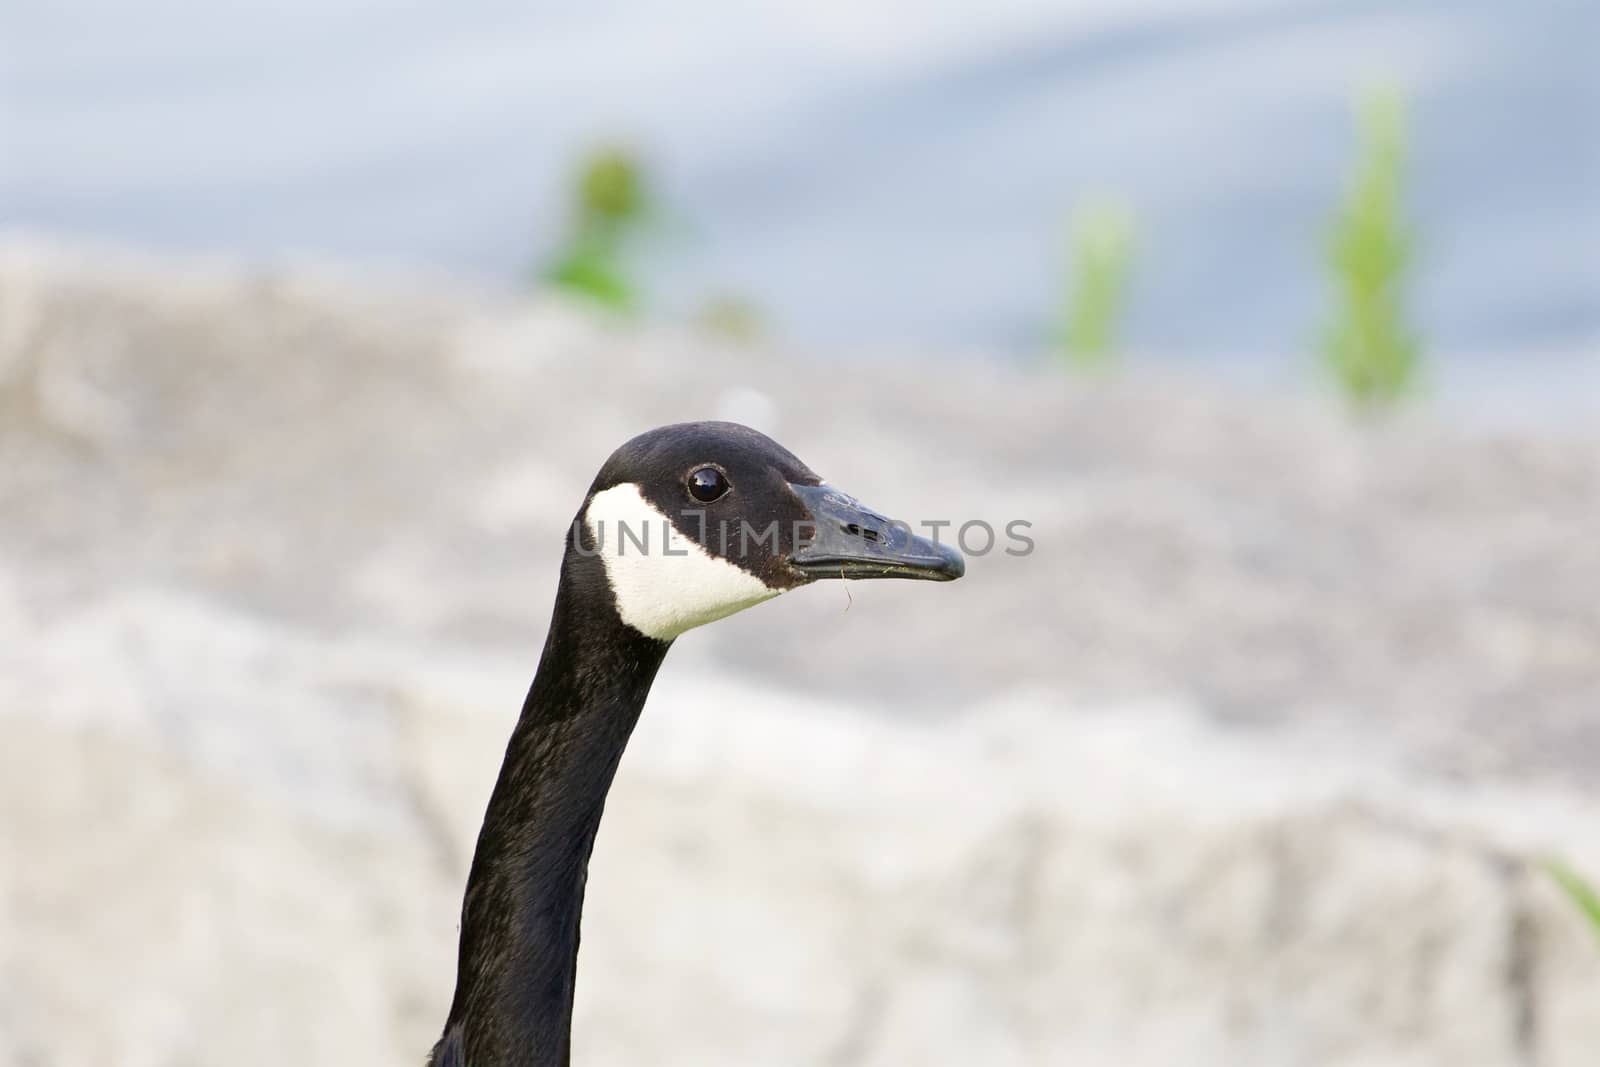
[{"x": 708, "y": 484}]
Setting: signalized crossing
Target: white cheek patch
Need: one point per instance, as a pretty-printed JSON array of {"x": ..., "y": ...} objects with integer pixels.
[{"x": 662, "y": 590}]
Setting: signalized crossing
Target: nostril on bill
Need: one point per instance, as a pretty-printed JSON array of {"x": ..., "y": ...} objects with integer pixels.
[{"x": 864, "y": 532}]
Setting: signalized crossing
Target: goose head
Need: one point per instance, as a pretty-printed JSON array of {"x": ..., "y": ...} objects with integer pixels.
[{"x": 696, "y": 521}]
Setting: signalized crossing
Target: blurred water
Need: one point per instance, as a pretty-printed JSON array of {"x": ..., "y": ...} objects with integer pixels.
[{"x": 901, "y": 174}]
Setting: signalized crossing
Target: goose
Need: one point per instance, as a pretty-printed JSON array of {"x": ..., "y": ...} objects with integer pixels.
[{"x": 684, "y": 525}]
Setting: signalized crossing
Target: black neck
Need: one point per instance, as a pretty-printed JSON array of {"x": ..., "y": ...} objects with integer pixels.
[{"x": 519, "y": 921}]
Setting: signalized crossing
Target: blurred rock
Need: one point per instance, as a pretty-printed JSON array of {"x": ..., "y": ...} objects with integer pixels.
[{"x": 1250, "y": 762}]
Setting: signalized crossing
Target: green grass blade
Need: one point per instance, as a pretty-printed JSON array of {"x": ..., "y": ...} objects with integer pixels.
[
  {"x": 1579, "y": 890},
  {"x": 1369, "y": 346},
  {"x": 1102, "y": 266}
]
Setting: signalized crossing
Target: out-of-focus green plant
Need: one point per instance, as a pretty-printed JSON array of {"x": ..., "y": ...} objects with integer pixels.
[
  {"x": 732, "y": 318},
  {"x": 1370, "y": 349},
  {"x": 1582, "y": 893},
  {"x": 1102, "y": 239},
  {"x": 610, "y": 202}
]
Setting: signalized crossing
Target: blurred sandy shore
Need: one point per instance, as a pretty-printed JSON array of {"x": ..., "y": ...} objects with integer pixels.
[{"x": 1243, "y": 765}]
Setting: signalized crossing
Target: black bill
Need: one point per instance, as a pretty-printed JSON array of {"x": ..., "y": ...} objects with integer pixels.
[{"x": 852, "y": 541}]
